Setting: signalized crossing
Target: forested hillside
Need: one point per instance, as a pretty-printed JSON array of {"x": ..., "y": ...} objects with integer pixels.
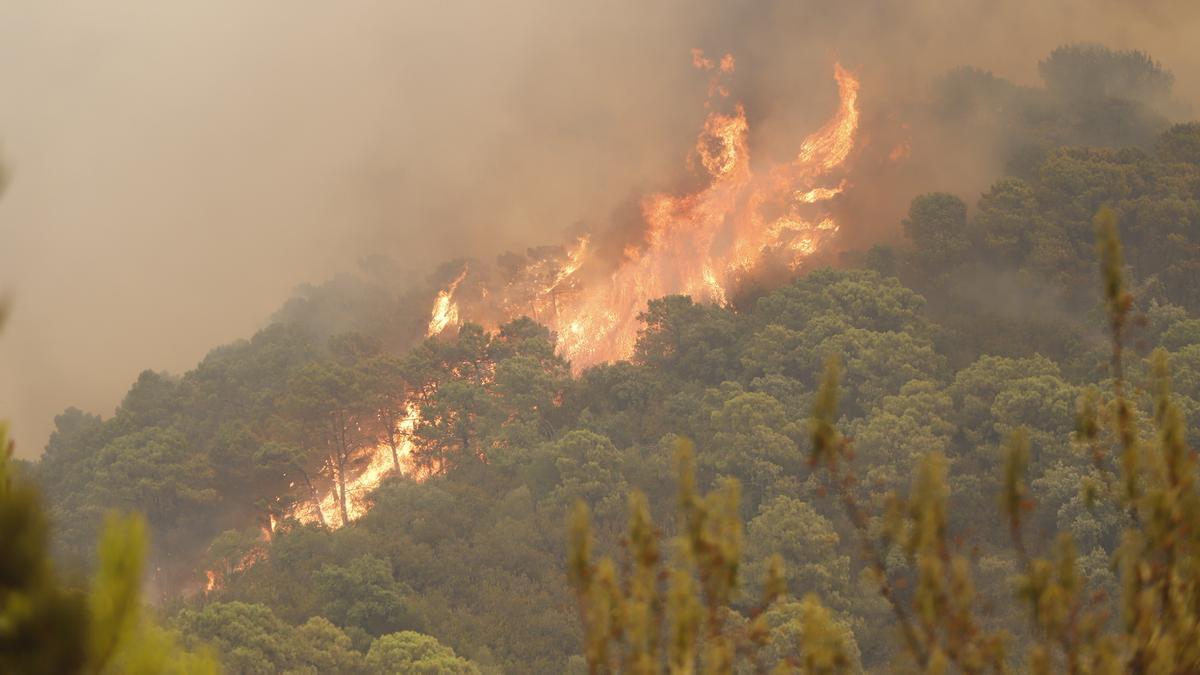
[{"x": 987, "y": 319}]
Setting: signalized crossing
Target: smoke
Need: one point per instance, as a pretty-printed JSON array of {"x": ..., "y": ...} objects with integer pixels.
[{"x": 179, "y": 166}]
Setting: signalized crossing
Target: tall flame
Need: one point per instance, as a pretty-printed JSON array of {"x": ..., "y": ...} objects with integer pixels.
[
  {"x": 365, "y": 473},
  {"x": 445, "y": 310},
  {"x": 700, "y": 244}
]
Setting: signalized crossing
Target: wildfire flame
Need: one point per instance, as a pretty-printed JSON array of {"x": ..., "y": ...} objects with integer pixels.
[
  {"x": 215, "y": 580},
  {"x": 359, "y": 484},
  {"x": 700, "y": 244},
  {"x": 573, "y": 263},
  {"x": 445, "y": 310},
  {"x": 365, "y": 473}
]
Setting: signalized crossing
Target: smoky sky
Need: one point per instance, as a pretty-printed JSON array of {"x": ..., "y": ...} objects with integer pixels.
[{"x": 179, "y": 166}]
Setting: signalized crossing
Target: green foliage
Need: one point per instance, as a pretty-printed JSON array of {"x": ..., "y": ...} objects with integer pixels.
[
  {"x": 755, "y": 439},
  {"x": 633, "y": 624},
  {"x": 808, "y": 541},
  {"x": 154, "y": 472},
  {"x": 890, "y": 441},
  {"x": 857, "y": 298},
  {"x": 322, "y": 647},
  {"x": 1091, "y": 96},
  {"x": 1008, "y": 219},
  {"x": 683, "y": 337},
  {"x": 409, "y": 652},
  {"x": 251, "y": 640},
  {"x": 43, "y": 626},
  {"x": 1037, "y": 228},
  {"x": 824, "y": 644},
  {"x": 1154, "y": 480},
  {"x": 587, "y": 467},
  {"x": 1094, "y": 72},
  {"x": 961, "y": 359},
  {"x": 1181, "y": 143},
  {"x": 49, "y": 627},
  {"x": 365, "y": 595},
  {"x": 937, "y": 225}
]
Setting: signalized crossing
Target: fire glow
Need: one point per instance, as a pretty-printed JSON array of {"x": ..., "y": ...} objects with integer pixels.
[
  {"x": 445, "y": 310},
  {"x": 380, "y": 462},
  {"x": 700, "y": 244}
]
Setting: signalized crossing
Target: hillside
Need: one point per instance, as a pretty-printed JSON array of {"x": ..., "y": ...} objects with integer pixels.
[{"x": 340, "y": 484}]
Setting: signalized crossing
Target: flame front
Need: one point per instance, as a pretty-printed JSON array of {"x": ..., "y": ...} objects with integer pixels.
[
  {"x": 700, "y": 244},
  {"x": 445, "y": 310},
  {"x": 366, "y": 471}
]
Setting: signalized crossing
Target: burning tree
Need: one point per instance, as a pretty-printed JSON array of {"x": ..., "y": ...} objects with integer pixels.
[
  {"x": 702, "y": 244},
  {"x": 332, "y": 401},
  {"x": 591, "y": 296}
]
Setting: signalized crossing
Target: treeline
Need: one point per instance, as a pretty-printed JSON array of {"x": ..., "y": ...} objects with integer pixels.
[{"x": 985, "y": 323}]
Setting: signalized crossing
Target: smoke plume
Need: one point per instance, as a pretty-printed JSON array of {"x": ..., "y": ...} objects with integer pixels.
[{"x": 179, "y": 166}]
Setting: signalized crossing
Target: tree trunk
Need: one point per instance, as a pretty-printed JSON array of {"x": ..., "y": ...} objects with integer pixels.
[
  {"x": 391, "y": 439},
  {"x": 340, "y": 455},
  {"x": 341, "y": 486},
  {"x": 312, "y": 494}
]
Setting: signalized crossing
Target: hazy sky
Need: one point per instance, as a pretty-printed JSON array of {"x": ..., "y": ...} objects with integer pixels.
[{"x": 179, "y": 166}]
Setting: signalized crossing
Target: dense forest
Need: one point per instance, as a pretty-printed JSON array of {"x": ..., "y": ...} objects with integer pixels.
[{"x": 990, "y": 322}]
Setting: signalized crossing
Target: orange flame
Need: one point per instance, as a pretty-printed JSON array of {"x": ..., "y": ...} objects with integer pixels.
[
  {"x": 573, "y": 263},
  {"x": 445, "y": 310},
  {"x": 361, "y": 481},
  {"x": 700, "y": 244}
]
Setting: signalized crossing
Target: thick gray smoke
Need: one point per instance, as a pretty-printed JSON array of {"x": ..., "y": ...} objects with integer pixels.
[{"x": 179, "y": 166}]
